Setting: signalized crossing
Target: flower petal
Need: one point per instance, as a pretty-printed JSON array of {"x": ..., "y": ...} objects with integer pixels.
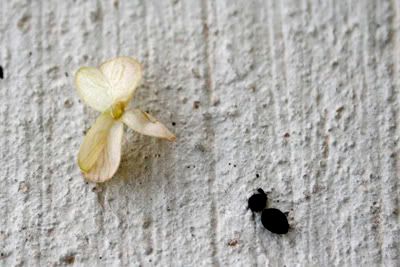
[
  {"x": 146, "y": 124},
  {"x": 108, "y": 161},
  {"x": 94, "y": 141},
  {"x": 93, "y": 88},
  {"x": 124, "y": 75}
]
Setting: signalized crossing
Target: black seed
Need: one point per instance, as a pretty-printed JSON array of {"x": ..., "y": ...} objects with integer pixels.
[
  {"x": 1, "y": 73},
  {"x": 257, "y": 202},
  {"x": 275, "y": 221}
]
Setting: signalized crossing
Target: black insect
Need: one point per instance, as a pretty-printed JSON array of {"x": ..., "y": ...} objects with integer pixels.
[
  {"x": 275, "y": 221},
  {"x": 1, "y": 72},
  {"x": 257, "y": 202}
]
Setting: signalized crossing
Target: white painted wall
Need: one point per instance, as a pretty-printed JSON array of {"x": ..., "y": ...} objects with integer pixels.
[{"x": 303, "y": 93}]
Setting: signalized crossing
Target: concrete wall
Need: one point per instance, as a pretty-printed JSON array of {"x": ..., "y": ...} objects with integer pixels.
[{"x": 300, "y": 98}]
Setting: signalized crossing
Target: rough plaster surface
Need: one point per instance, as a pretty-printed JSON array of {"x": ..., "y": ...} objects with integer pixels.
[{"x": 300, "y": 98}]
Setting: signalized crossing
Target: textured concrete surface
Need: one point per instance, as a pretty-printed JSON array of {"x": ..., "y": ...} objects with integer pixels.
[{"x": 300, "y": 98}]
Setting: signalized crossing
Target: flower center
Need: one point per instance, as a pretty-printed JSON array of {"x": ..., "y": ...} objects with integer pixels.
[{"x": 117, "y": 110}]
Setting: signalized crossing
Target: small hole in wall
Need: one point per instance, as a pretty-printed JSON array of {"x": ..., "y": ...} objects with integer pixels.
[{"x": 1, "y": 73}]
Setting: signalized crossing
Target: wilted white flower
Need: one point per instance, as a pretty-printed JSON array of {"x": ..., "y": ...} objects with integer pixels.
[{"x": 109, "y": 89}]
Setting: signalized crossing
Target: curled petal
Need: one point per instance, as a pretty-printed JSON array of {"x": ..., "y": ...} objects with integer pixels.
[
  {"x": 100, "y": 152},
  {"x": 93, "y": 88},
  {"x": 124, "y": 75},
  {"x": 108, "y": 161},
  {"x": 146, "y": 124}
]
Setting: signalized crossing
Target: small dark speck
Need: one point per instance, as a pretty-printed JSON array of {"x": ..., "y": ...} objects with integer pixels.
[
  {"x": 257, "y": 175},
  {"x": 146, "y": 223},
  {"x": 196, "y": 104},
  {"x": 148, "y": 251},
  {"x": 168, "y": 209},
  {"x": 233, "y": 242},
  {"x": 66, "y": 74},
  {"x": 1, "y": 73},
  {"x": 30, "y": 54},
  {"x": 24, "y": 23},
  {"x": 286, "y": 135},
  {"x": 69, "y": 259},
  {"x": 68, "y": 103},
  {"x": 100, "y": 257},
  {"x": 96, "y": 15},
  {"x": 234, "y": 165},
  {"x": 229, "y": 164},
  {"x": 173, "y": 123}
]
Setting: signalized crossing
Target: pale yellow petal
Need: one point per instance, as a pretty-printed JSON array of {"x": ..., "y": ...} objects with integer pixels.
[
  {"x": 94, "y": 142},
  {"x": 146, "y": 124},
  {"x": 124, "y": 75},
  {"x": 93, "y": 88},
  {"x": 108, "y": 161}
]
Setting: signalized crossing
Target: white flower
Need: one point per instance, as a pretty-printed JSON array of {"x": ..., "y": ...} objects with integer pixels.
[{"x": 109, "y": 89}]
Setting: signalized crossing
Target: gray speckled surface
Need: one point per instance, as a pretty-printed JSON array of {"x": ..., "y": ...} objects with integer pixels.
[{"x": 303, "y": 94}]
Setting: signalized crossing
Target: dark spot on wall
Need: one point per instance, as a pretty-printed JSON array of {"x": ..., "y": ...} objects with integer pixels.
[
  {"x": 68, "y": 103},
  {"x": 173, "y": 123},
  {"x": 53, "y": 72},
  {"x": 69, "y": 259},
  {"x": 146, "y": 223},
  {"x": 1, "y": 73},
  {"x": 148, "y": 251},
  {"x": 196, "y": 104},
  {"x": 233, "y": 242},
  {"x": 24, "y": 23},
  {"x": 338, "y": 113},
  {"x": 96, "y": 15}
]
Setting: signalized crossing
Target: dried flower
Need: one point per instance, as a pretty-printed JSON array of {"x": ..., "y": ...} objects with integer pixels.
[{"x": 109, "y": 89}]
